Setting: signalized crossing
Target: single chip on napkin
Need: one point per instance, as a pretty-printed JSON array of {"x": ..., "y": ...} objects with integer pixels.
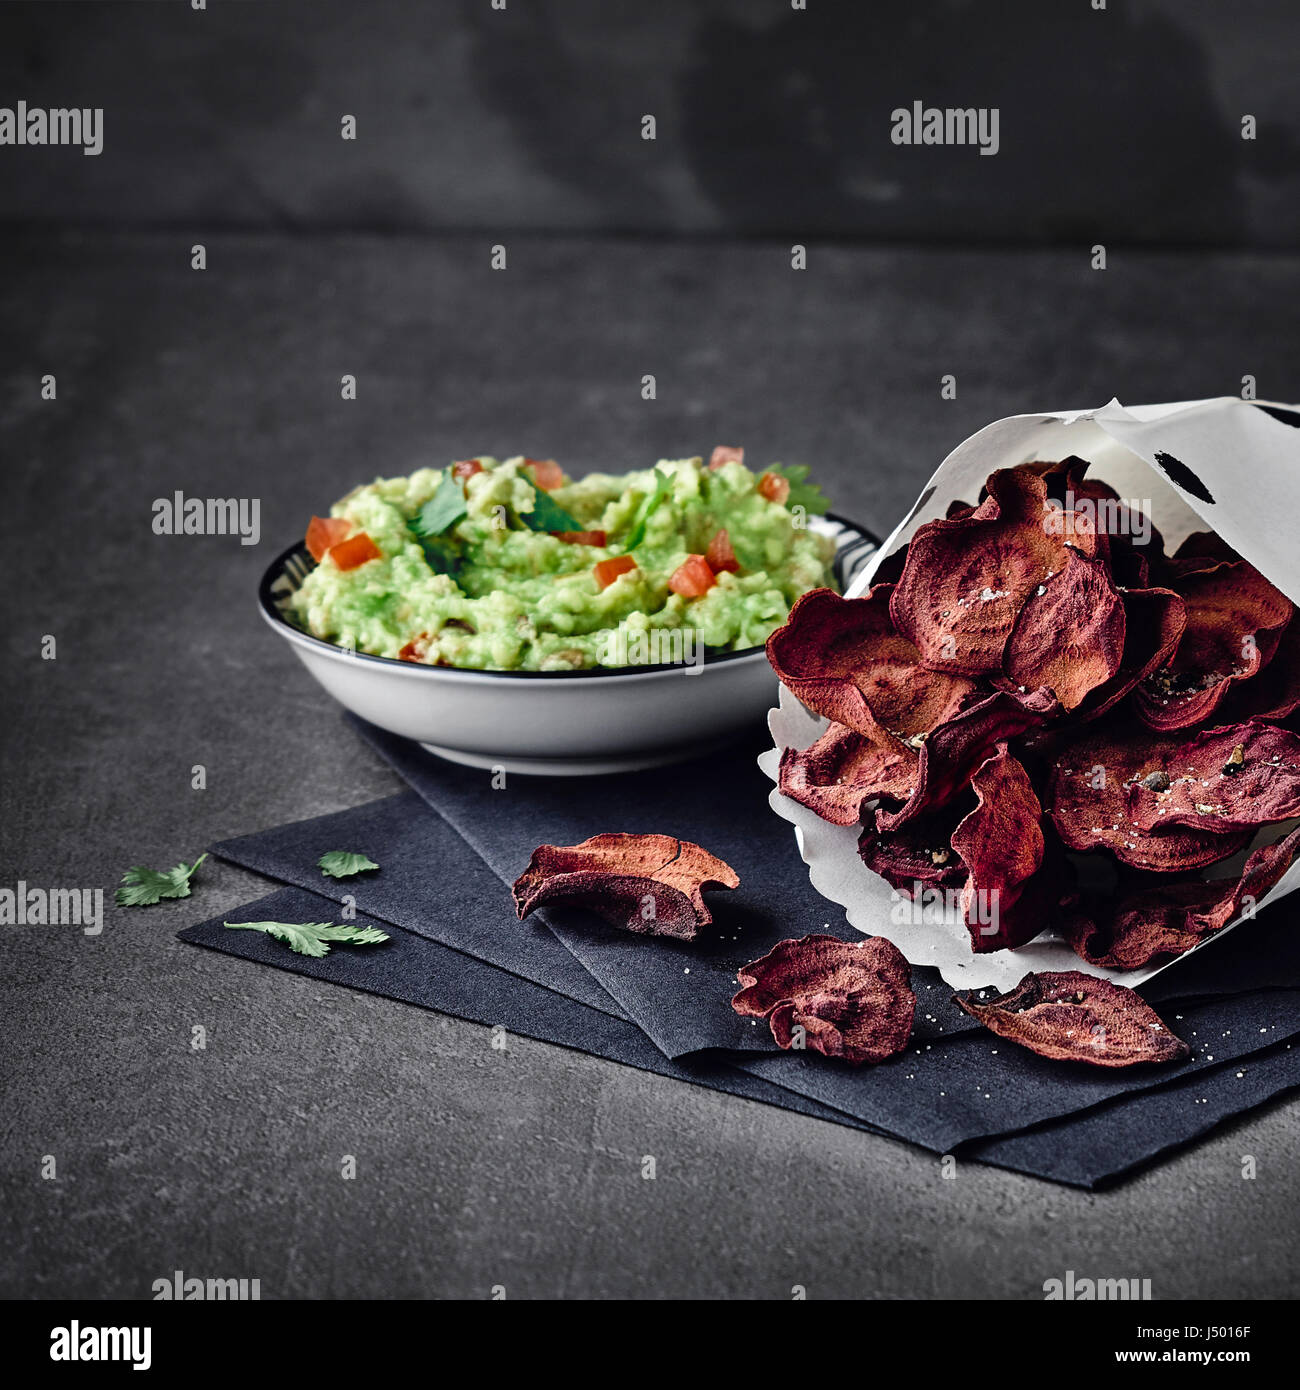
[
  {"x": 651, "y": 884},
  {"x": 1072, "y": 1017},
  {"x": 846, "y": 999}
]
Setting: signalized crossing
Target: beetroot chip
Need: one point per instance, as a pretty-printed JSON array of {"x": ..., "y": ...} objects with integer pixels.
[
  {"x": 1202, "y": 550},
  {"x": 1127, "y": 539},
  {"x": 843, "y": 659},
  {"x": 1274, "y": 693},
  {"x": 1072, "y": 1017},
  {"x": 955, "y": 749},
  {"x": 965, "y": 579},
  {"x": 1006, "y": 900},
  {"x": 1154, "y": 620},
  {"x": 1088, "y": 802},
  {"x": 1235, "y": 619},
  {"x": 650, "y": 884},
  {"x": 1069, "y": 635},
  {"x": 1234, "y": 778},
  {"x": 1168, "y": 919},
  {"x": 1125, "y": 536},
  {"x": 851, "y": 999},
  {"x": 920, "y": 853},
  {"x": 843, "y": 769}
]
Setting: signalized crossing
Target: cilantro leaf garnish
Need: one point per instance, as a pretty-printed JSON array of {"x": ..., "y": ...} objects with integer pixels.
[
  {"x": 442, "y": 510},
  {"x": 663, "y": 486},
  {"x": 802, "y": 493},
  {"x": 341, "y": 863},
  {"x": 143, "y": 887},
  {"x": 442, "y": 555},
  {"x": 547, "y": 514},
  {"x": 312, "y": 938}
]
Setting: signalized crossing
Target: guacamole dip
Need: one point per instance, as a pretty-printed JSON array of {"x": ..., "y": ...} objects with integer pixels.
[{"x": 513, "y": 566}]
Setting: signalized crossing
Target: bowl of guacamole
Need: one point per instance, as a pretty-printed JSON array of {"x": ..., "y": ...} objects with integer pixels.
[{"x": 504, "y": 612}]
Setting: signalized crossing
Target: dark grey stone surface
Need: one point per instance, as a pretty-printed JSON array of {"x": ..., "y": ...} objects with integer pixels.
[
  {"x": 1121, "y": 125},
  {"x": 475, "y": 1167}
]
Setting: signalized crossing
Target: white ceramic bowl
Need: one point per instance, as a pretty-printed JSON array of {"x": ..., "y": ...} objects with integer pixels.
[{"x": 550, "y": 722}]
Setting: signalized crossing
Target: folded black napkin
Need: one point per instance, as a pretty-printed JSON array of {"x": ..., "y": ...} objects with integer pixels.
[
  {"x": 1083, "y": 1151},
  {"x": 956, "y": 1085},
  {"x": 417, "y": 969},
  {"x": 1102, "y": 1144}
]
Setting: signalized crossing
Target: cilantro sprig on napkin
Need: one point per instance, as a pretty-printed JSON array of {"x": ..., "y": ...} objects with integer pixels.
[
  {"x": 313, "y": 938},
  {"x": 341, "y": 863}
]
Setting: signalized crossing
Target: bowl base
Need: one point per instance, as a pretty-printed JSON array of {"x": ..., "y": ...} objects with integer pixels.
[{"x": 566, "y": 767}]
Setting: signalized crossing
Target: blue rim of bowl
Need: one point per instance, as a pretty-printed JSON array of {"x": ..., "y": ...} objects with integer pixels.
[{"x": 864, "y": 544}]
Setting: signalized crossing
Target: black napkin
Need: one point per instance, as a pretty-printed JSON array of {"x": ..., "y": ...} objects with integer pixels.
[
  {"x": 431, "y": 883},
  {"x": 978, "y": 1085},
  {"x": 419, "y": 970},
  {"x": 1094, "y": 1148},
  {"x": 938, "y": 1095},
  {"x": 676, "y": 991},
  {"x": 1082, "y": 1151}
]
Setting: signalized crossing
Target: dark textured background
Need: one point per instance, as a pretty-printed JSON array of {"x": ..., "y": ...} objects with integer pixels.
[
  {"x": 1122, "y": 124},
  {"x": 478, "y": 1168}
]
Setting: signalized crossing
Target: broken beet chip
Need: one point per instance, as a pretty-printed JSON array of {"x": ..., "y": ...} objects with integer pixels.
[
  {"x": 844, "y": 769},
  {"x": 650, "y": 884},
  {"x": 839, "y": 655},
  {"x": 965, "y": 580},
  {"x": 1168, "y": 919},
  {"x": 1274, "y": 693},
  {"x": 1202, "y": 550},
  {"x": 1005, "y": 900},
  {"x": 1234, "y": 778},
  {"x": 1069, "y": 635},
  {"x": 1235, "y": 619},
  {"x": 849, "y": 999},
  {"x": 921, "y": 853},
  {"x": 1072, "y": 1017},
  {"x": 1088, "y": 802},
  {"x": 1154, "y": 620}
]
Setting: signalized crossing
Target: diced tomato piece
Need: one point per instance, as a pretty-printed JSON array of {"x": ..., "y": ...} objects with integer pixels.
[
  {"x": 774, "y": 487},
  {"x": 324, "y": 532},
  {"x": 466, "y": 469},
  {"x": 692, "y": 578},
  {"x": 354, "y": 551},
  {"x": 607, "y": 571},
  {"x": 581, "y": 537},
  {"x": 547, "y": 474},
  {"x": 723, "y": 453},
  {"x": 720, "y": 555},
  {"x": 415, "y": 649}
]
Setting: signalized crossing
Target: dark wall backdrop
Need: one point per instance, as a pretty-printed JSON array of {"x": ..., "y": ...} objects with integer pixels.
[{"x": 1122, "y": 124}]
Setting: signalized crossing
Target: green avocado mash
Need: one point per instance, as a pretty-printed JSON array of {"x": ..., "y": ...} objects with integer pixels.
[{"x": 476, "y": 571}]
